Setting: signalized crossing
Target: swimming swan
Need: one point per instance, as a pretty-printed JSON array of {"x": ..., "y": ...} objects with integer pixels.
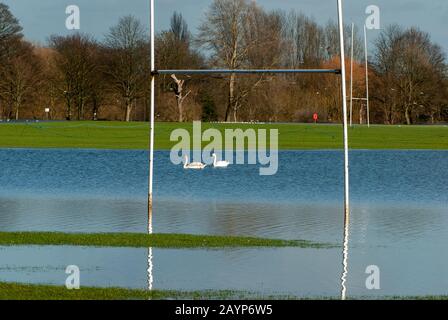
[
  {"x": 219, "y": 164},
  {"x": 193, "y": 165}
]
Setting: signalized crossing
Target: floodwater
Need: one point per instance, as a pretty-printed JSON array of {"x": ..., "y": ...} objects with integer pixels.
[{"x": 399, "y": 220}]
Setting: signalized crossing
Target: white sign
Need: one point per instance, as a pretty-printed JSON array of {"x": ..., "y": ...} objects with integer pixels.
[{"x": 47, "y": 110}]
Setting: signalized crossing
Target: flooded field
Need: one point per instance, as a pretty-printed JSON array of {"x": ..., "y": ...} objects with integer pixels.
[{"x": 399, "y": 220}]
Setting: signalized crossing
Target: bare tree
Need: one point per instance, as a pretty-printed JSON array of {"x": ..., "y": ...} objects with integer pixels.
[
  {"x": 76, "y": 70},
  {"x": 178, "y": 89},
  {"x": 10, "y": 38},
  {"x": 179, "y": 28},
  {"x": 222, "y": 32},
  {"x": 408, "y": 71},
  {"x": 127, "y": 47},
  {"x": 174, "y": 51},
  {"x": 304, "y": 41},
  {"x": 19, "y": 78},
  {"x": 10, "y": 30},
  {"x": 238, "y": 34},
  {"x": 331, "y": 41},
  {"x": 412, "y": 70}
]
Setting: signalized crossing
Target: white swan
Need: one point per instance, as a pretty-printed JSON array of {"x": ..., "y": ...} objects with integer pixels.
[
  {"x": 193, "y": 165},
  {"x": 219, "y": 164}
]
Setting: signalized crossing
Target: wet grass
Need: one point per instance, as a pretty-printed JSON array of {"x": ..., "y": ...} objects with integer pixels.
[
  {"x": 137, "y": 240},
  {"x": 120, "y": 135},
  {"x": 16, "y": 291},
  {"x": 416, "y": 298}
]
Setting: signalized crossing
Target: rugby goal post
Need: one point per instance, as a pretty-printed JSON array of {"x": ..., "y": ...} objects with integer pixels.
[{"x": 342, "y": 72}]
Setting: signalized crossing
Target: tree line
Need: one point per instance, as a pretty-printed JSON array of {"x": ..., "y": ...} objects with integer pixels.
[{"x": 78, "y": 77}]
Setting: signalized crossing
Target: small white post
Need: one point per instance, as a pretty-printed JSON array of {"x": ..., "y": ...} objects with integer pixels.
[
  {"x": 151, "y": 133},
  {"x": 367, "y": 76},
  {"x": 346, "y": 154},
  {"x": 351, "y": 76}
]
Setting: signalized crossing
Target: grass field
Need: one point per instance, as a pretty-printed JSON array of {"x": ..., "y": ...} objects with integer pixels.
[
  {"x": 16, "y": 291},
  {"x": 140, "y": 240},
  {"x": 119, "y": 135}
]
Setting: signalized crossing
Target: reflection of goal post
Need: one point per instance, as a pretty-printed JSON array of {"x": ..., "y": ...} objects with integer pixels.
[{"x": 155, "y": 73}]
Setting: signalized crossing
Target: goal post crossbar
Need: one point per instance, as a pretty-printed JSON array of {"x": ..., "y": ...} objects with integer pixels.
[
  {"x": 341, "y": 72},
  {"x": 246, "y": 71}
]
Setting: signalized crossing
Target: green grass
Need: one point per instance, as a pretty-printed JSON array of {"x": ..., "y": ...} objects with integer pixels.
[
  {"x": 420, "y": 298},
  {"x": 120, "y": 135},
  {"x": 139, "y": 240},
  {"x": 16, "y": 291}
]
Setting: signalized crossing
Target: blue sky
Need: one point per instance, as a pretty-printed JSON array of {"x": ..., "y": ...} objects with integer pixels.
[{"x": 41, "y": 18}]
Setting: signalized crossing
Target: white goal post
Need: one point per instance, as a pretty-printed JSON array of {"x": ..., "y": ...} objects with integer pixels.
[{"x": 342, "y": 72}]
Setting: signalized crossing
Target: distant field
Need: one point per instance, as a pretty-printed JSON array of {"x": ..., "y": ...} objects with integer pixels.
[{"x": 119, "y": 135}]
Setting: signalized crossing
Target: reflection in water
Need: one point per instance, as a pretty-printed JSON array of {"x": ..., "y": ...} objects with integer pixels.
[
  {"x": 280, "y": 271},
  {"x": 399, "y": 218},
  {"x": 270, "y": 271},
  {"x": 150, "y": 256},
  {"x": 150, "y": 268},
  {"x": 149, "y": 219},
  {"x": 345, "y": 256}
]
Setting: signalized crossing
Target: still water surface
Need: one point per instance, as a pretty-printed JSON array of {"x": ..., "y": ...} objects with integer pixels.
[{"x": 399, "y": 219}]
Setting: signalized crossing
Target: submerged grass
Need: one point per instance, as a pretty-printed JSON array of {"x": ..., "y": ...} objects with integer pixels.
[
  {"x": 140, "y": 240},
  {"x": 16, "y": 291},
  {"x": 119, "y": 135}
]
